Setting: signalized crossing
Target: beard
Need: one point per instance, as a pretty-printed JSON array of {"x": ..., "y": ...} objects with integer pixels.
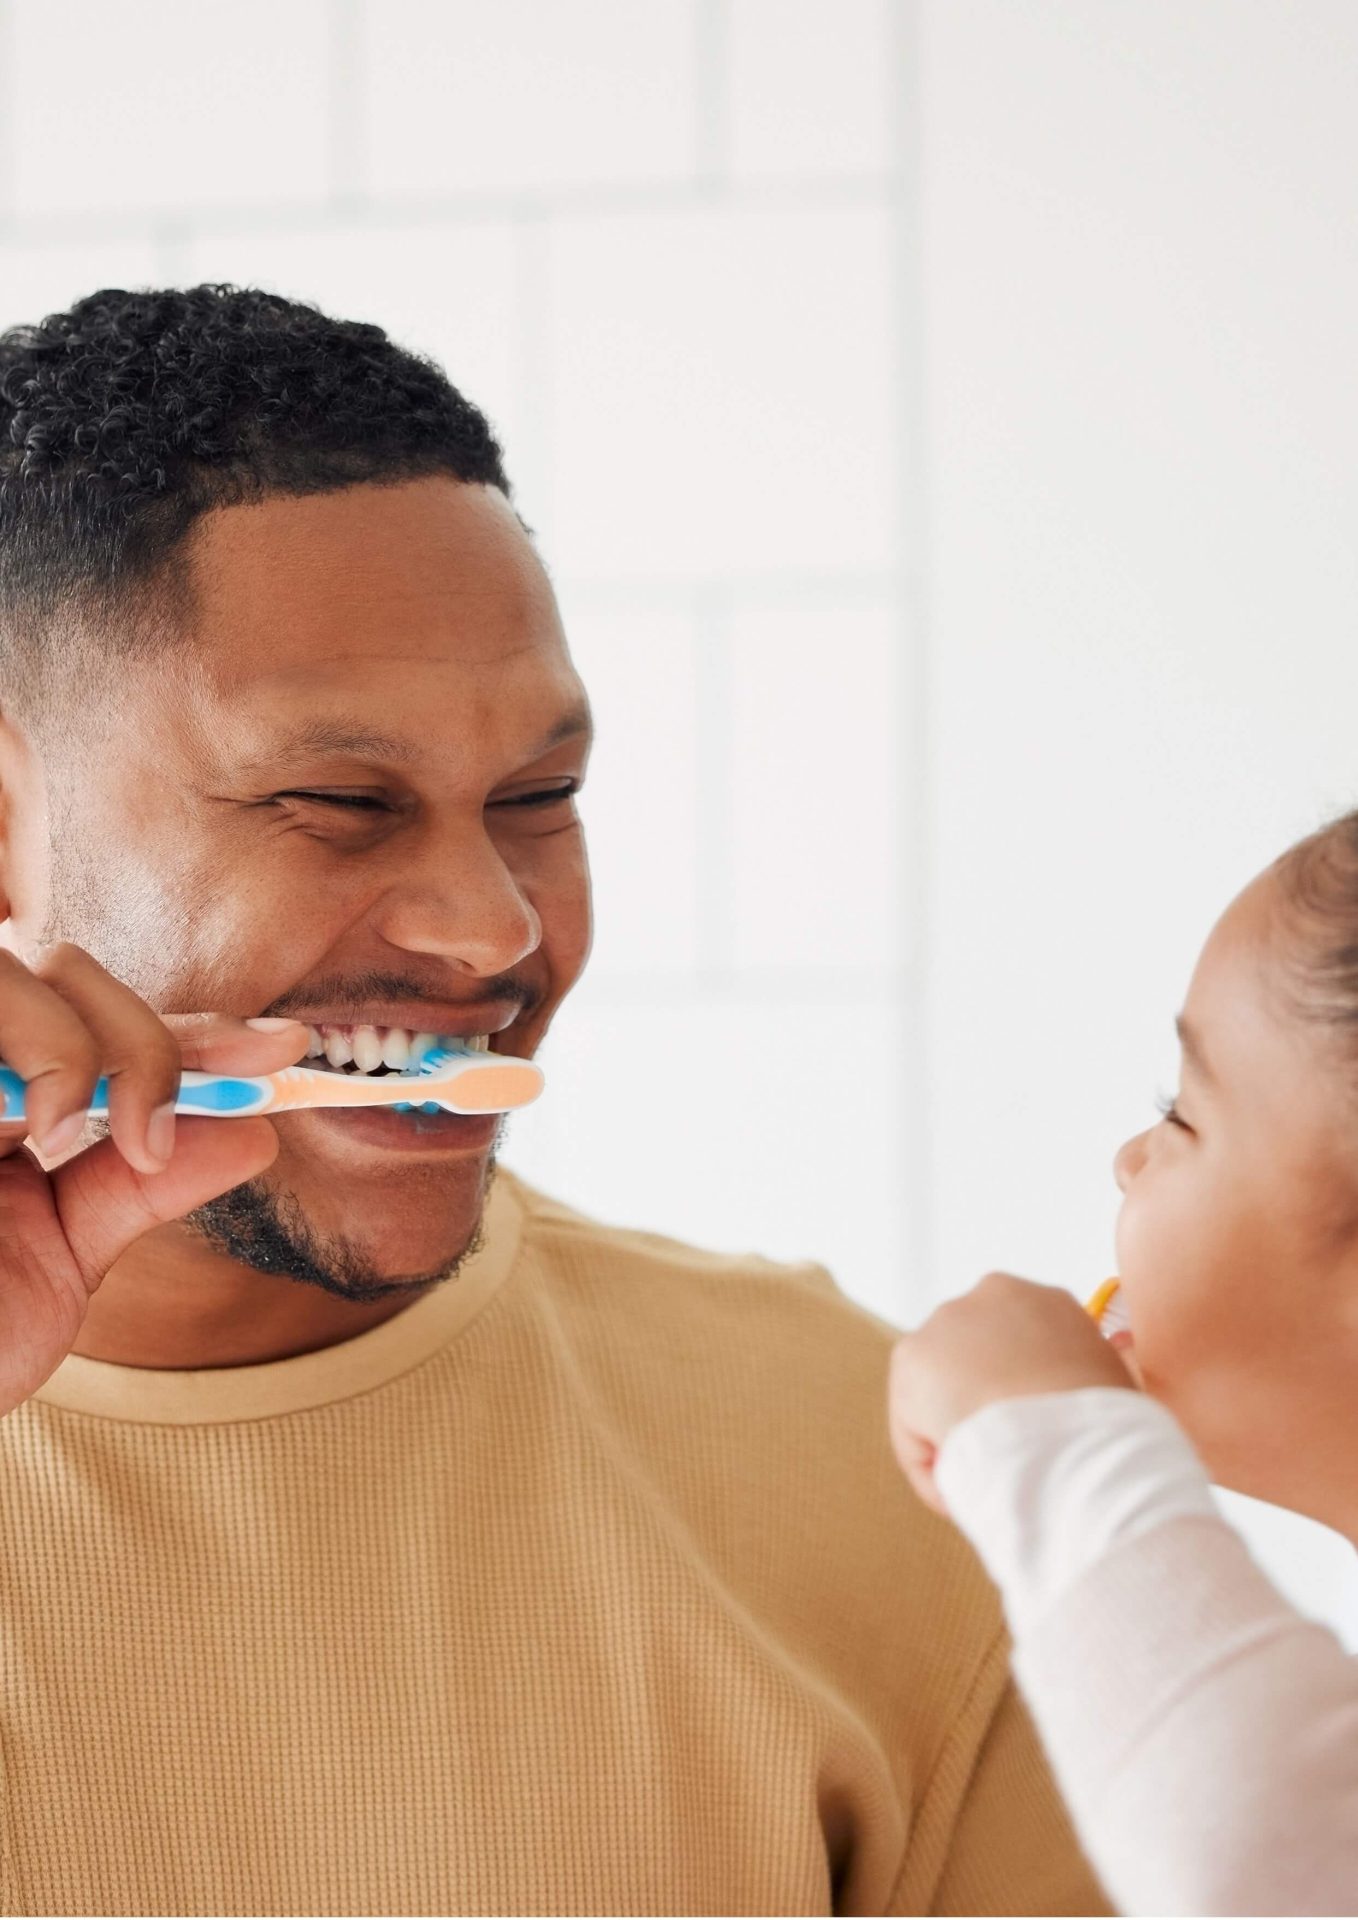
[{"x": 268, "y": 1231}]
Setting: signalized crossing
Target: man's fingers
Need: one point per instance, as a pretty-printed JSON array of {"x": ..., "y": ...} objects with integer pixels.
[
  {"x": 104, "y": 1204},
  {"x": 227, "y": 1043}
]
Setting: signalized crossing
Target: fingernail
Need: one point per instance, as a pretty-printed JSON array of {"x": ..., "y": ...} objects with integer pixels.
[
  {"x": 64, "y": 1134},
  {"x": 160, "y": 1132},
  {"x": 272, "y": 1026}
]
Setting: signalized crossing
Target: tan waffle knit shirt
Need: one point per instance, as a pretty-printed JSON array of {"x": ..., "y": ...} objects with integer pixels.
[{"x": 586, "y": 1584}]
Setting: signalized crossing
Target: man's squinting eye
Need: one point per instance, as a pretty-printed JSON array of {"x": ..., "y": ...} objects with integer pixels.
[{"x": 546, "y": 798}]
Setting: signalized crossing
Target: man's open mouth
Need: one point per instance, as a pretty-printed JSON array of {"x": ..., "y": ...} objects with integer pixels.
[{"x": 374, "y": 1051}]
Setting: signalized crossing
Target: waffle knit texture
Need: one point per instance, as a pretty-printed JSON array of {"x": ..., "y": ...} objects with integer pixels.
[{"x": 585, "y": 1584}]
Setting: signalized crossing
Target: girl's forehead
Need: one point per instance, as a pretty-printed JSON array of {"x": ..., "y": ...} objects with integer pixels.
[
  {"x": 1230, "y": 956},
  {"x": 1234, "y": 1007},
  {"x": 1245, "y": 1007}
]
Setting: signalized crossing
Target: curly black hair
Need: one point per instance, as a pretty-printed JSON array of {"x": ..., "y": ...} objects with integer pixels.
[{"x": 126, "y": 418}]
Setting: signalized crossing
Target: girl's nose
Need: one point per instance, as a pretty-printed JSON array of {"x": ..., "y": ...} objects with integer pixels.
[{"x": 1128, "y": 1160}]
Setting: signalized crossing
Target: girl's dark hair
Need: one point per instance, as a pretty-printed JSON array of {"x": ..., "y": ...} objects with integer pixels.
[
  {"x": 126, "y": 418},
  {"x": 1318, "y": 929}
]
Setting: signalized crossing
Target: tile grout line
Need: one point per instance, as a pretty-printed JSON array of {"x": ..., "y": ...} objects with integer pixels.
[
  {"x": 346, "y": 146},
  {"x": 714, "y": 960},
  {"x": 530, "y": 467},
  {"x": 8, "y": 167},
  {"x": 775, "y": 586},
  {"x": 711, "y": 95},
  {"x": 352, "y": 206},
  {"x": 914, "y": 683},
  {"x": 171, "y": 239},
  {"x": 849, "y": 987}
]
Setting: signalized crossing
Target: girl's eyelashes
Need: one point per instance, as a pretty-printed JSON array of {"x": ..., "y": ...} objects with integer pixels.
[{"x": 1168, "y": 1110}]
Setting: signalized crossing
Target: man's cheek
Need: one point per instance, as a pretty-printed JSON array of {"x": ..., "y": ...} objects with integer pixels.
[{"x": 567, "y": 931}]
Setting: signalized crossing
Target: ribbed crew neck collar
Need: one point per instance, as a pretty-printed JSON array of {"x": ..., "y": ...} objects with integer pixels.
[{"x": 164, "y": 1397}]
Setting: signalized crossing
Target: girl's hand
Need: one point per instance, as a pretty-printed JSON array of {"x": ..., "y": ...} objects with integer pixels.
[{"x": 1005, "y": 1339}]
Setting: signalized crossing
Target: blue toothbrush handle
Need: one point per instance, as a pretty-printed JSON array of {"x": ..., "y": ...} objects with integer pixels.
[{"x": 204, "y": 1093}]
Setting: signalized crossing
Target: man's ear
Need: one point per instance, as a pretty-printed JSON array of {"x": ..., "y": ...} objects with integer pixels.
[{"x": 23, "y": 813}]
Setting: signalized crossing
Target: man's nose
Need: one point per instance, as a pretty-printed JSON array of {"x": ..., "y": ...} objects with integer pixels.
[
  {"x": 469, "y": 907},
  {"x": 1128, "y": 1160}
]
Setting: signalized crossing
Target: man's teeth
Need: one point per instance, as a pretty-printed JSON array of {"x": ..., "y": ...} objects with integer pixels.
[{"x": 370, "y": 1049}]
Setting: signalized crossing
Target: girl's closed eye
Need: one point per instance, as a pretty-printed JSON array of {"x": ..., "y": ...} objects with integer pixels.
[{"x": 1168, "y": 1111}]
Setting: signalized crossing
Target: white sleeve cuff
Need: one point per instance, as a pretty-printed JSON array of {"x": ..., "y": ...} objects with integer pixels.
[{"x": 1044, "y": 1485}]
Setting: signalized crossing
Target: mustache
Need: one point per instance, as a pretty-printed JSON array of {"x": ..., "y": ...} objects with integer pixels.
[{"x": 374, "y": 988}]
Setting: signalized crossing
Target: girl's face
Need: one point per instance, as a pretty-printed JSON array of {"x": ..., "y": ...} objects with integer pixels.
[{"x": 1237, "y": 1240}]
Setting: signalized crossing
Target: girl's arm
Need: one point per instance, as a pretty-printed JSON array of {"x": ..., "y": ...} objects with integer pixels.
[{"x": 1204, "y": 1734}]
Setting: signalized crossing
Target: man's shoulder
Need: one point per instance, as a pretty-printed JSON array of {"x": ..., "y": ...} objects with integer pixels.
[
  {"x": 653, "y": 1279},
  {"x": 750, "y": 1395},
  {"x": 750, "y": 1384}
]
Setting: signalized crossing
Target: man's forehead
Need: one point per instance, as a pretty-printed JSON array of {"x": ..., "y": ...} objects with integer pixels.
[
  {"x": 430, "y": 566},
  {"x": 338, "y": 735},
  {"x": 382, "y": 705}
]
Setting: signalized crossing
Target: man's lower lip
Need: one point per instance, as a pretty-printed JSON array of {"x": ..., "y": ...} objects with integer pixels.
[{"x": 408, "y": 1132}]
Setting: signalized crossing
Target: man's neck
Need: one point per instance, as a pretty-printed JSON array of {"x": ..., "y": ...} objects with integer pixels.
[{"x": 171, "y": 1302}]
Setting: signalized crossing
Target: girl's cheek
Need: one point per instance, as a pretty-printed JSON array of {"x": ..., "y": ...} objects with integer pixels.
[
  {"x": 1155, "y": 1250},
  {"x": 1134, "y": 1240}
]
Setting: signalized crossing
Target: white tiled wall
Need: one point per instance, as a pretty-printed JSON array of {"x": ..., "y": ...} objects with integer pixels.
[
  {"x": 149, "y": 107},
  {"x": 721, "y": 376},
  {"x": 938, "y": 416},
  {"x": 525, "y": 98},
  {"x": 659, "y": 245}
]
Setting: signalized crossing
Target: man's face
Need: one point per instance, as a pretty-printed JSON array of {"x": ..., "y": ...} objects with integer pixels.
[{"x": 191, "y": 862}]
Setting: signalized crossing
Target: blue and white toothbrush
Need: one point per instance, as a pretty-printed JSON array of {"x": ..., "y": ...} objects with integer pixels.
[{"x": 453, "y": 1078}]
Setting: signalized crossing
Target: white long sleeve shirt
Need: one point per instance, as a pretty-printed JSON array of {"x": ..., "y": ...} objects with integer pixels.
[{"x": 1204, "y": 1733}]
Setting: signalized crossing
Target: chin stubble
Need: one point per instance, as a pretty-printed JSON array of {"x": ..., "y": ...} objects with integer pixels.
[{"x": 268, "y": 1231}]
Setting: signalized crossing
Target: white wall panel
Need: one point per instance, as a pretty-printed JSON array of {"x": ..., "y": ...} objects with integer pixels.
[
  {"x": 722, "y": 392},
  {"x": 153, "y": 105},
  {"x": 38, "y": 280},
  {"x": 812, "y": 89},
  {"x": 815, "y": 768},
  {"x": 465, "y": 98},
  {"x": 640, "y": 805}
]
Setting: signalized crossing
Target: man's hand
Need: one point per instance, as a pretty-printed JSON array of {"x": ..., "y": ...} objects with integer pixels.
[
  {"x": 66, "y": 1022},
  {"x": 1005, "y": 1339}
]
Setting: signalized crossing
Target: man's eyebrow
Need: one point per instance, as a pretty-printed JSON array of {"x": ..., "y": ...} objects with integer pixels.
[
  {"x": 321, "y": 736},
  {"x": 1192, "y": 1047},
  {"x": 576, "y": 720}
]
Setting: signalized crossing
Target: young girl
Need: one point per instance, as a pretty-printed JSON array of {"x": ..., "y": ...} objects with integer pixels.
[{"x": 1204, "y": 1734}]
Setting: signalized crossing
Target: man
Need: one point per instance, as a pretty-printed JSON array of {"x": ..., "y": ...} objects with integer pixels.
[{"x": 382, "y": 1535}]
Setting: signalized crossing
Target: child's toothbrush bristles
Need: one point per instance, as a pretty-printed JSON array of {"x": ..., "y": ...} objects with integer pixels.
[{"x": 1107, "y": 1309}]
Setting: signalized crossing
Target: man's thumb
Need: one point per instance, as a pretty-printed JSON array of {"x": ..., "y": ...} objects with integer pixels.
[{"x": 104, "y": 1204}]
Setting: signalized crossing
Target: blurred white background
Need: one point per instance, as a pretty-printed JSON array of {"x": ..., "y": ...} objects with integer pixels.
[{"x": 939, "y": 419}]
